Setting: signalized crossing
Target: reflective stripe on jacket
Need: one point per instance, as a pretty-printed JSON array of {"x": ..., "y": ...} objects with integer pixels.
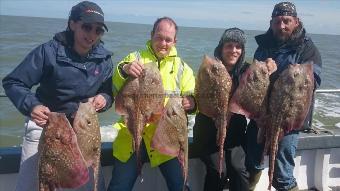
[{"x": 177, "y": 78}]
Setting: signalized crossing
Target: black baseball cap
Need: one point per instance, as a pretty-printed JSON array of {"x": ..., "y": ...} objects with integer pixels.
[{"x": 88, "y": 12}]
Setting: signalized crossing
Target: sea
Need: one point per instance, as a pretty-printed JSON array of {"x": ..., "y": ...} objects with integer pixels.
[{"x": 20, "y": 35}]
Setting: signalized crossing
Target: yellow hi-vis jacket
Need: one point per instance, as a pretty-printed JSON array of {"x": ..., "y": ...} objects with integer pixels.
[{"x": 177, "y": 78}]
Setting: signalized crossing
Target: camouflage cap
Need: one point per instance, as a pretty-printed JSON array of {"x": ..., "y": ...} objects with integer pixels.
[{"x": 284, "y": 9}]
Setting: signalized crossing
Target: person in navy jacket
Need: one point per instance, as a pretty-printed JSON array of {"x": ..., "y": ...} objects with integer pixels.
[
  {"x": 286, "y": 42},
  {"x": 71, "y": 68}
]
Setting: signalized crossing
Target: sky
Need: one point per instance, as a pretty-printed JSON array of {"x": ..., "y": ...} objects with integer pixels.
[{"x": 318, "y": 16}]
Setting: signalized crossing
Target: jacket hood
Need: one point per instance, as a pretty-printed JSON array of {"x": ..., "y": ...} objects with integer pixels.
[{"x": 240, "y": 63}]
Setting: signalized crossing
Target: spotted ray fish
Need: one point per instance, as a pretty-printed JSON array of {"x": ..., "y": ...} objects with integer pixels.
[
  {"x": 61, "y": 164},
  {"x": 171, "y": 135},
  {"x": 139, "y": 100},
  {"x": 249, "y": 97},
  {"x": 87, "y": 129},
  {"x": 212, "y": 91},
  {"x": 289, "y": 102}
]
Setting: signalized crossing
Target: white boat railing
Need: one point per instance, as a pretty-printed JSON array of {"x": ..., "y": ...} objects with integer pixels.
[{"x": 327, "y": 91}]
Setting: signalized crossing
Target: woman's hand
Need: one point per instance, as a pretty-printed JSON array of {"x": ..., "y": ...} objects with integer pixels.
[
  {"x": 39, "y": 115},
  {"x": 98, "y": 102},
  {"x": 188, "y": 103}
]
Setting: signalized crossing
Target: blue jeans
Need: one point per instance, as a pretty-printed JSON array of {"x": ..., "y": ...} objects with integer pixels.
[
  {"x": 124, "y": 175},
  {"x": 284, "y": 164}
]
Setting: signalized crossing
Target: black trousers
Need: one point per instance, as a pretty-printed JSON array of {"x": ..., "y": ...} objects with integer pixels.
[
  {"x": 204, "y": 146},
  {"x": 236, "y": 171}
]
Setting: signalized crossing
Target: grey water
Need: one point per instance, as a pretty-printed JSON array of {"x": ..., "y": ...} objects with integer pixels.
[{"x": 20, "y": 35}]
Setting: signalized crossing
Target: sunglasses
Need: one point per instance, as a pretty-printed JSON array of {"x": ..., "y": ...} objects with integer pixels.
[{"x": 88, "y": 28}]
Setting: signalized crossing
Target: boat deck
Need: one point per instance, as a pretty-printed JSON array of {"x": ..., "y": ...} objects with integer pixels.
[
  {"x": 317, "y": 165},
  {"x": 320, "y": 139}
]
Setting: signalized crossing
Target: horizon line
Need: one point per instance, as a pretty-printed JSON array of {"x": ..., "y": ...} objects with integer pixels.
[{"x": 150, "y": 24}]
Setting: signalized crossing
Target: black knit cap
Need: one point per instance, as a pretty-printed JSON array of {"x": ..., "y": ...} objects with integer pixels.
[
  {"x": 230, "y": 35},
  {"x": 88, "y": 12},
  {"x": 284, "y": 9}
]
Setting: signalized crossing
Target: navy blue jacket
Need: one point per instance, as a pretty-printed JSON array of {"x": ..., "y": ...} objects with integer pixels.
[
  {"x": 298, "y": 50},
  {"x": 64, "y": 78}
]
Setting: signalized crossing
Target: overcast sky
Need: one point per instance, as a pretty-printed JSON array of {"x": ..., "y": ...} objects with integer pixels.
[{"x": 318, "y": 16}]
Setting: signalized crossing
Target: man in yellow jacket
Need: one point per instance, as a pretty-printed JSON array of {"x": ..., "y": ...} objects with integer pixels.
[{"x": 178, "y": 79}]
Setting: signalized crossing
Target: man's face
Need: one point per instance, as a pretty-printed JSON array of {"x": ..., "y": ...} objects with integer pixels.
[
  {"x": 163, "y": 39},
  {"x": 283, "y": 27}
]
